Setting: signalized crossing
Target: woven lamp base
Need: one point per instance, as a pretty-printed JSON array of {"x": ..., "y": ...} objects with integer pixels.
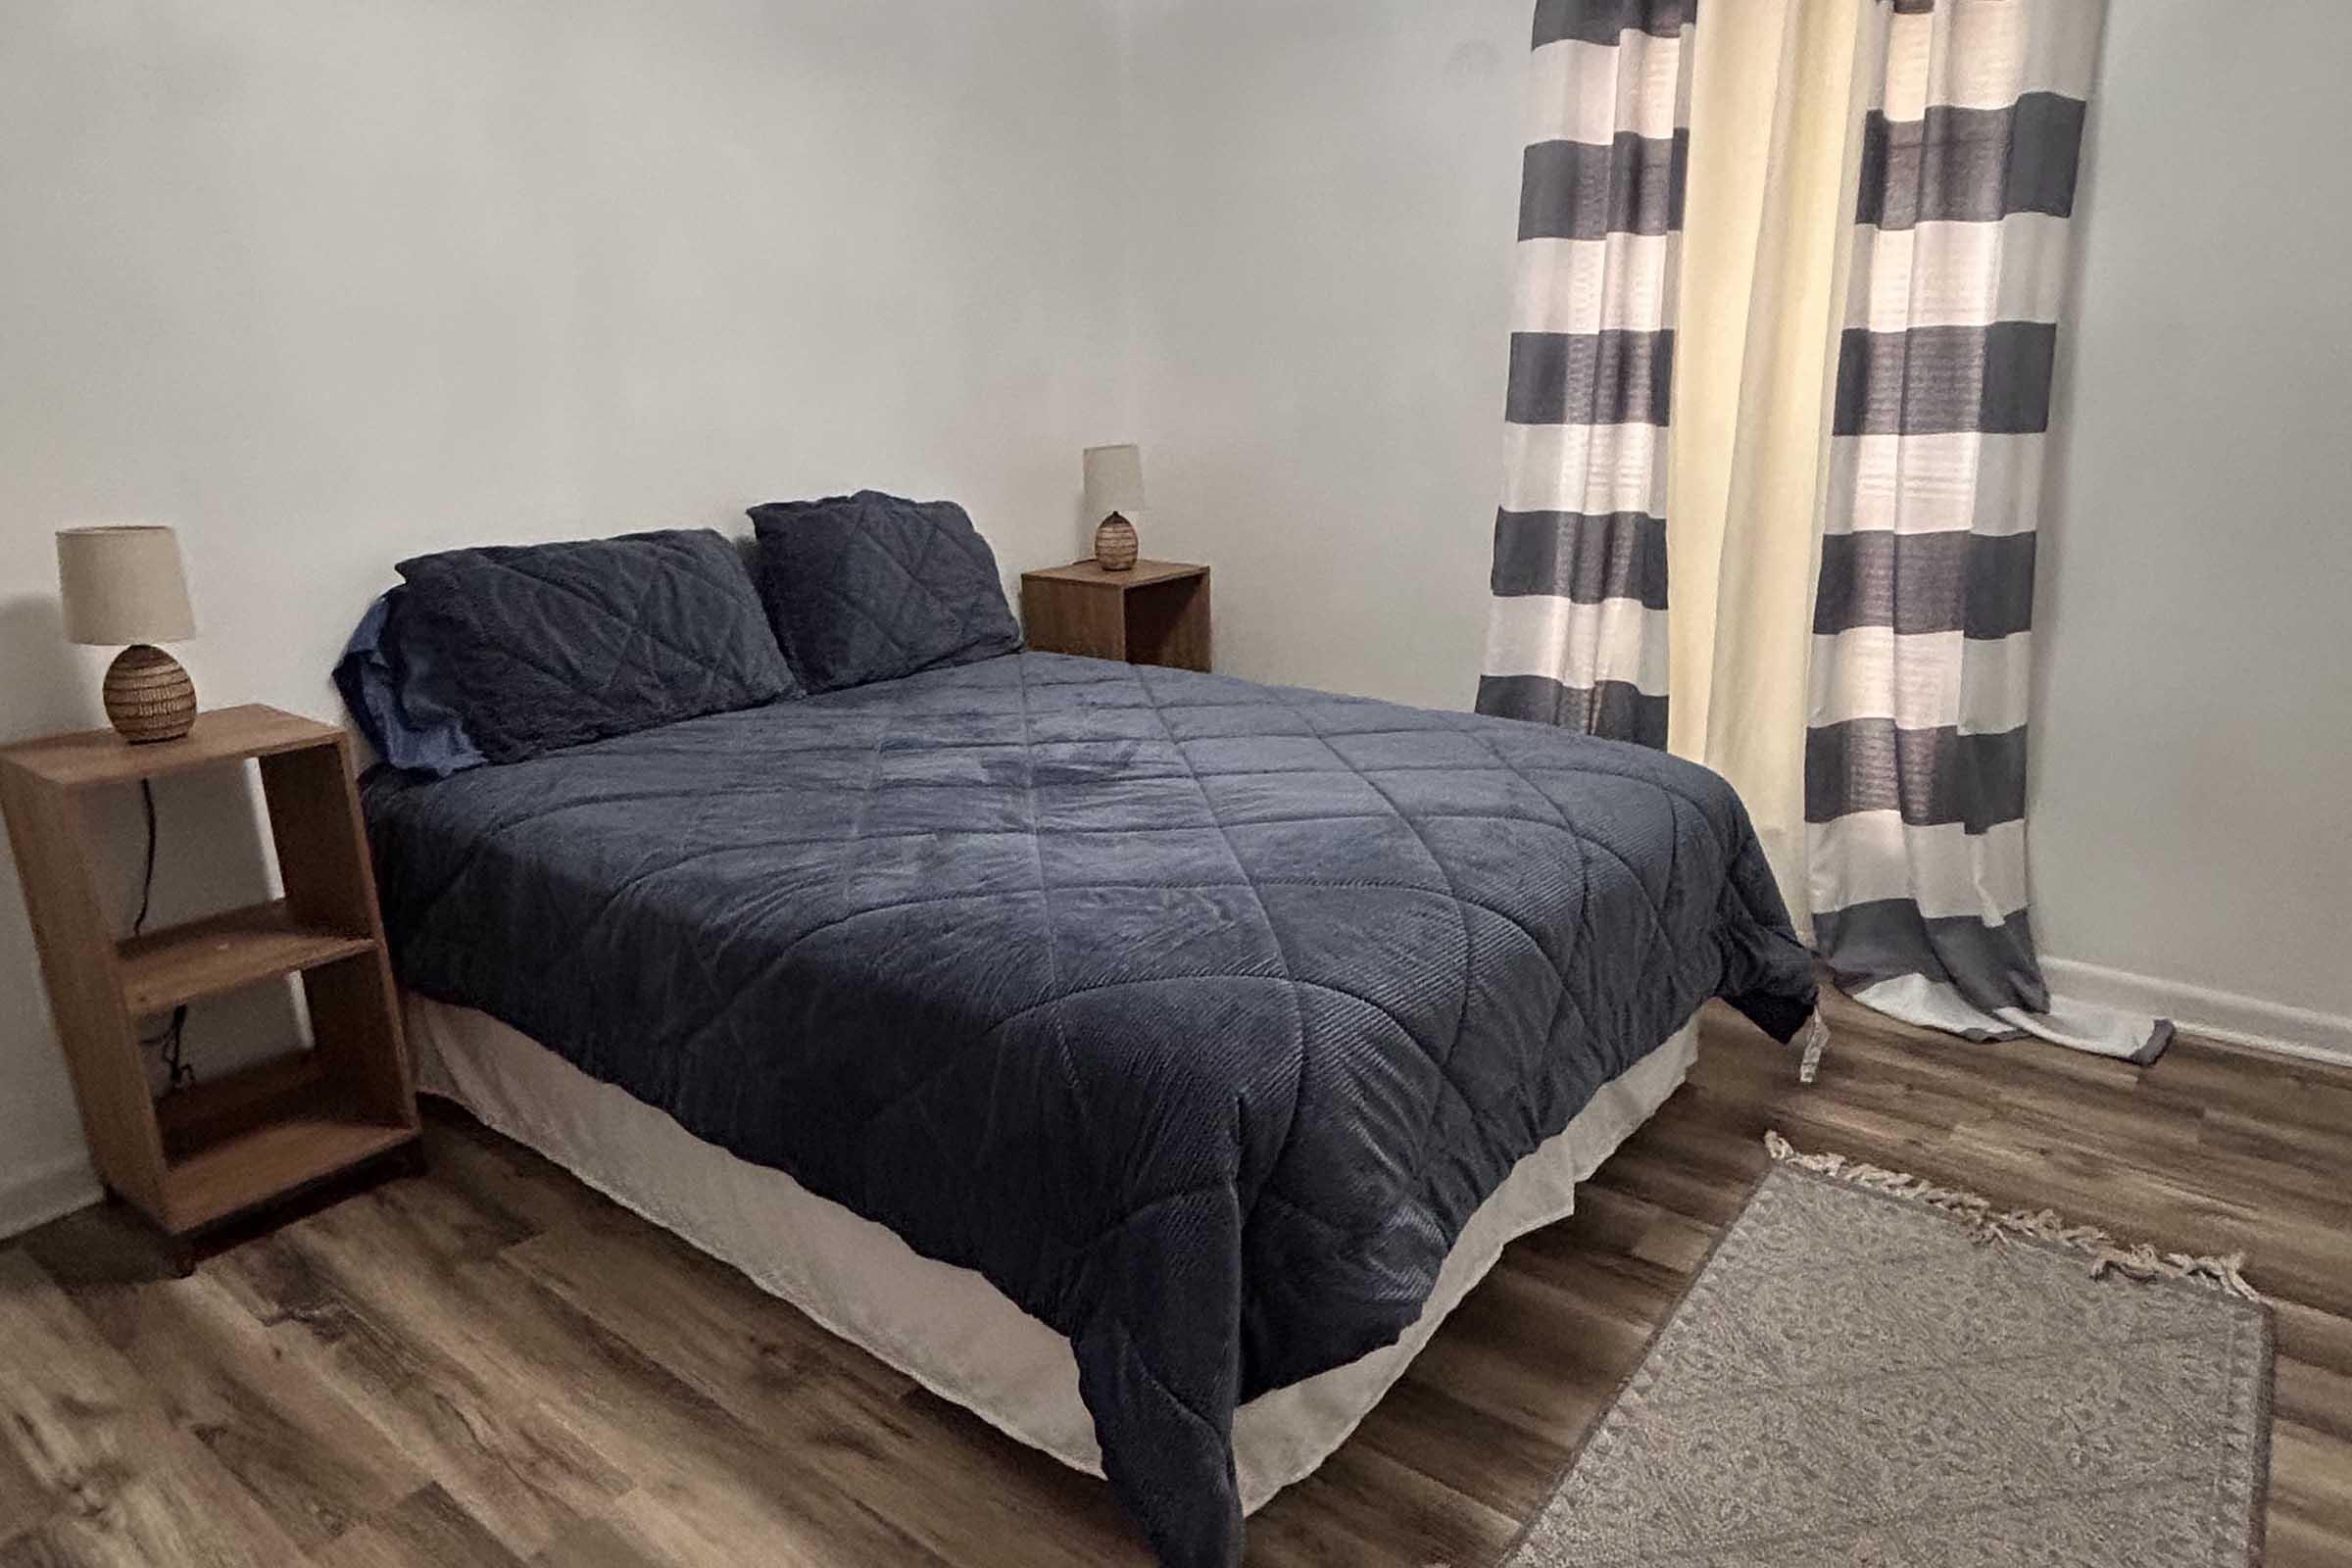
[
  {"x": 149, "y": 696},
  {"x": 1115, "y": 544}
]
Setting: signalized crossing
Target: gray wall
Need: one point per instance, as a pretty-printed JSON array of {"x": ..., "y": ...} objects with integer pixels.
[
  {"x": 1326, "y": 192},
  {"x": 2193, "y": 745},
  {"x": 329, "y": 284}
]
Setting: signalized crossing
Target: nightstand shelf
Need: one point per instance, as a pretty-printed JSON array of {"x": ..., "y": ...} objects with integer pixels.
[
  {"x": 280, "y": 1127},
  {"x": 211, "y": 1152},
  {"x": 224, "y": 953},
  {"x": 1154, "y": 614}
]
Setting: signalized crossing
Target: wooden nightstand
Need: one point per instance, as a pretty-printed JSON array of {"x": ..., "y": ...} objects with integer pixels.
[
  {"x": 214, "y": 1150},
  {"x": 1156, "y": 613}
]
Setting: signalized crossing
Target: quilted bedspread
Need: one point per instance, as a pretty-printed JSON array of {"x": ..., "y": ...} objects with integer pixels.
[{"x": 1196, "y": 1015}]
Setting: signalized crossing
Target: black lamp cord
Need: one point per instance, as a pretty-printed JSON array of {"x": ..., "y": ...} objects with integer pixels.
[{"x": 171, "y": 1040}]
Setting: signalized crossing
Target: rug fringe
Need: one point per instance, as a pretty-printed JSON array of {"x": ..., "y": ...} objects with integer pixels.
[{"x": 2105, "y": 1255}]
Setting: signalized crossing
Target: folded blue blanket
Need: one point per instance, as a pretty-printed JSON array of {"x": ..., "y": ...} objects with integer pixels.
[
  {"x": 399, "y": 698},
  {"x": 1196, "y": 1015}
]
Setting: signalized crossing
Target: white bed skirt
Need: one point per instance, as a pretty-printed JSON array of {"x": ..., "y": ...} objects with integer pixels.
[{"x": 947, "y": 1327}]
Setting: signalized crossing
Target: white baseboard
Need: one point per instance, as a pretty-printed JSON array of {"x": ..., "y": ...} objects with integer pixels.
[
  {"x": 2225, "y": 1016},
  {"x": 35, "y": 1196}
]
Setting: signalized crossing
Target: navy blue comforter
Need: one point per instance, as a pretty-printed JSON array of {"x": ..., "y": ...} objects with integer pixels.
[{"x": 1196, "y": 1015}]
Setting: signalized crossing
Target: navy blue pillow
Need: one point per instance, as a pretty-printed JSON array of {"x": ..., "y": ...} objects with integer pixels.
[
  {"x": 398, "y": 698},
  {"x": 868, "y": 587},
  {"x": 549, "y": 646}
]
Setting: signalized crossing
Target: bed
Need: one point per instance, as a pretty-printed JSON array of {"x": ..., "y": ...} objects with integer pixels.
[{"x": 1146, "y": 1060}]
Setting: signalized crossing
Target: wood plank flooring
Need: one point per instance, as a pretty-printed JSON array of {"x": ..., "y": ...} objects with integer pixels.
[{"x": 491, "y": 1365}]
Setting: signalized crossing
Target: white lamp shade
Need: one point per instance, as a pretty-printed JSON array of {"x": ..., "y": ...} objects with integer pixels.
[
  {"x": 122, "y": 583},
  {"x": 1114, "y": 480}
]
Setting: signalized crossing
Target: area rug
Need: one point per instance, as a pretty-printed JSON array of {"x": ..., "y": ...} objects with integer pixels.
[{"x": 1872, "y": 1372}]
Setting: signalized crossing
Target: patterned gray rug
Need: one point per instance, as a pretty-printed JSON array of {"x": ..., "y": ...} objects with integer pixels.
[{"x": 1874, "y": 1373}]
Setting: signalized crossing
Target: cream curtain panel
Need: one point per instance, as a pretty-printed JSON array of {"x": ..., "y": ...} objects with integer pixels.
[{"x": 1776, "y": 116}]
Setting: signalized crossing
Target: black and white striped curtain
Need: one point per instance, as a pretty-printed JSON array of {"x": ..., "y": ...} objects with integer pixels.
[
  {"x": 1578, "y": 634},
  {"x": 1915, "y": 754}
]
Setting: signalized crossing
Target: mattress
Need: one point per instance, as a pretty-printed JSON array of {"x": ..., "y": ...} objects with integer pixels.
[
  {"x": 947, "y": 1327},
  {"x": 1197, "y": 1016}
]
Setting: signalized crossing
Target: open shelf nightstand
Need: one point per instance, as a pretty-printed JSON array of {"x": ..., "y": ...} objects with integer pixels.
[
  {"x": 1155, "y": 612},
  {"x": 211, "y": 1153}
]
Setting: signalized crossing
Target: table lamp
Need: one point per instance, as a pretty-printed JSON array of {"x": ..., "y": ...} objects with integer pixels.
[
  {"x": 122, "y": 583},
  {"x": 1114, "y": 486}
]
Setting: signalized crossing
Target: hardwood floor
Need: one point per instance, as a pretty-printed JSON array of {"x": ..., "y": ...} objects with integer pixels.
[{"x": 492, "y": 1366}]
